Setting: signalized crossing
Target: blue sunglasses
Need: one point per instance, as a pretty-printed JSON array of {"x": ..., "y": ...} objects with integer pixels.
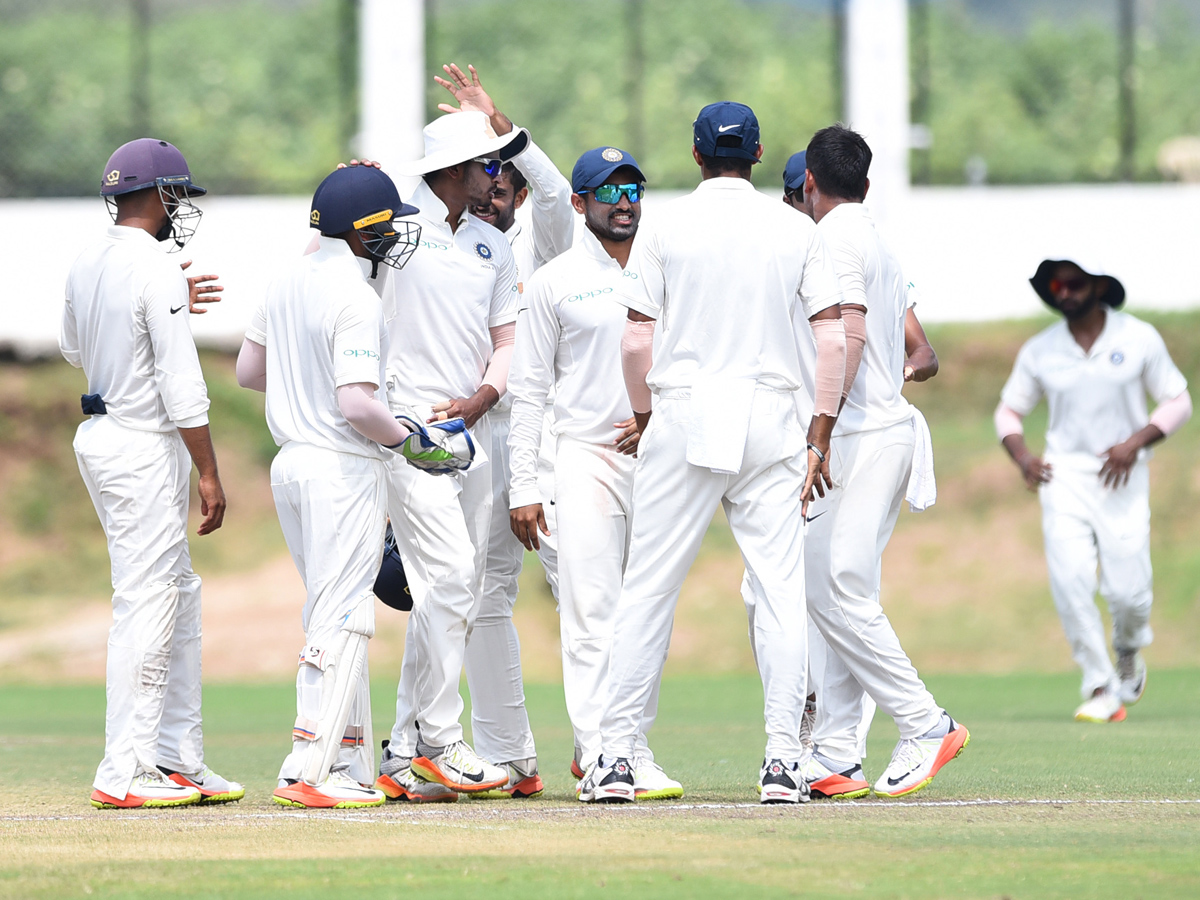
[{"x": 611, "y": 193}]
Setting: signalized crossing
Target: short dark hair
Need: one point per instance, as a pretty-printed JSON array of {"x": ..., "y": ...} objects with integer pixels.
[
  {"x": 515, "y": 177},
  {"x": 719, "y": 165},
  {"x": 839, "y": 160}
]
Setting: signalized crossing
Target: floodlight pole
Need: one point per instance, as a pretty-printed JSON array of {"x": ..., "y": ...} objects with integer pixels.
[
  {"x": 1126, "y": 80},
  {"x": 391, "y": 41},
  {"x": 877, "y": 99}
]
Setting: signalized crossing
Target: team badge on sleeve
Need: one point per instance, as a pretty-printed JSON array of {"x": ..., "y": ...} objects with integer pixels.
[{"x": 483, "y": 251}]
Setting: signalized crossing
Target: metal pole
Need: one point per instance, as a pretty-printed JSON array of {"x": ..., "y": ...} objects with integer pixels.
[
  {"x": 838, "y": 48},
  {"x": 635, "y": 126},
  {"x": 347, "y": 37},
  {"x": 139, "y": 68},
  {"x": 919, "y": 9},
  {"x": 1126, "y": 79}
]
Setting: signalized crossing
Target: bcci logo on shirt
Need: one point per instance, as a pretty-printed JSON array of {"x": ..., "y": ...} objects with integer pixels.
[
  {"x": 1117, "y": 358},
  {"x": 483, "y": 251}
]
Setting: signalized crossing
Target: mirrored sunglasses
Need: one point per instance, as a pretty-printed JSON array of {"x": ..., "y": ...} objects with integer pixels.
[
  {"x": 491, "y": 166},
  {"x": 611, "y": 193}
]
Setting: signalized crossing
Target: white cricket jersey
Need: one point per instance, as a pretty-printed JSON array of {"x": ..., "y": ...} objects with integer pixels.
[
  {"x": 722, "y": 270},
  {"x": 869, "y": 276},
  {"x": 440, "y": 306},
  {"x": 1097, "y": 399},
  {"x": 125, "y": 323},
  {"x": 568, "y": 345},
  {"x": 551, "y": 230},
  {"x": 323, "y": 328}
]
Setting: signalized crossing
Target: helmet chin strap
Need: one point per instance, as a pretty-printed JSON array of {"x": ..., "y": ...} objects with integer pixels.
[{"x": 374, "y": 267}]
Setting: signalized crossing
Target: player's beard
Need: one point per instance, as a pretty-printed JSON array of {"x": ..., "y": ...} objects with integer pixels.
[{"x": 601, "y": 222}]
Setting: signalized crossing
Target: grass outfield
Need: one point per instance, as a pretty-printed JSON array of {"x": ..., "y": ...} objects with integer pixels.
[{"x": 1116, "y": 811}]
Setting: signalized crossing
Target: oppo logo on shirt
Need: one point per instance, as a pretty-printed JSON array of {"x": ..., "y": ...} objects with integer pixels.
[
  {"x": 587, "y": 295},
  {"x": 369, "y": 354},
  {"x": 434, "y": 246},
  {"x": 628, "y": 274}
]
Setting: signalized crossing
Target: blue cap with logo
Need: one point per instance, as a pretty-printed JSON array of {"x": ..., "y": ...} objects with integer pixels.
[
  {"x": 594, "y": 167},
  {"x": 793, "y": 172},
  {"x": 349, "y": 195},
  {"x": 727, "y": 129}
]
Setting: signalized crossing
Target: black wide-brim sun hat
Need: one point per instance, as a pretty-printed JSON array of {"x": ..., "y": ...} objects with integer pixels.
[{"x": 1114, "y": 294}]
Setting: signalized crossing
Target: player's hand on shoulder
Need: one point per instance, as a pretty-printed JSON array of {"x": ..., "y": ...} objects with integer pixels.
[
  {"x": 200, "y": 291},
  {"x": 525, "y": 522},
  {"x": 360, "y": 162},
  {"x": 629, "y": 438}
]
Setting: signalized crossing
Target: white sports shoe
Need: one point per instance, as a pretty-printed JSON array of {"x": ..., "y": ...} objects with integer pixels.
[
  {"x": 607, "y": 783},
  {"x": 915, "y": 762},
  {"x": 212, "y": 787},
  {"x": 1131, "y": 669},
  {"x": 339, "y": 791},
  {"x": 828, "y": 778},
  {"x": 148, "y": 790},
  {"x": 781, "y": 782},
  {"x": 1104, "y": 706},
  {"x": 397, "y": 781},
  {"x": 458, "y": 767},
  {"x": 650, "y": 782}
]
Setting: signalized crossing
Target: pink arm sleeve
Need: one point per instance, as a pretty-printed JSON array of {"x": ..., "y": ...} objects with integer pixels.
[
  {"x": 1008, "y": 421},
  {"x": 855, "y": 323},
  {"x": 368, "y": 416},
  {"x": 1169, "y": 416},
  {"x": 252, "y": 366},
  {"x": 831, "y": 365},
  {"x": 503, "y": 338},
  {"x": 637, "y": 354}
]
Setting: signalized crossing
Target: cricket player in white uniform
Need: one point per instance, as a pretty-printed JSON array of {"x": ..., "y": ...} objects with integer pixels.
[
  {"x": 872, "y": 454},
  {"x": 1095, "y": 369},
  {"x": 499, "y": 721},
  {"x": 125, "y": 323},
  {"x": 316, "y": 346},
  {"x": 451, "y": 317},
  {"x": 569, "y": 347},
  {"x": 721, "y": 274}
]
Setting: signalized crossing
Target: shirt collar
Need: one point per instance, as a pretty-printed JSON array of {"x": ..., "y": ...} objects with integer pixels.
[
  {"x": 332, "y": 248},
  {"x": 128, "y": 233},
  {"x": 725, "y": 183},
  {"x": 433, "y": 210},
  {"x": 590, "y": 244},
  {"x": 848, "y": 210}
]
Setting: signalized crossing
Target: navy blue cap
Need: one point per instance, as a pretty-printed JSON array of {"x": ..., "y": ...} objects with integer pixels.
[
  {"x": 727, "y": 129},
  {"x": 352, "y": 194},
  {"x": 593, "y": 168},
  {"x": 793, "y": 172}
]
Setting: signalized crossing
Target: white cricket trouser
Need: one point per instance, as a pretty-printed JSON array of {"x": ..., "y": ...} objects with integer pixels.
[
  {"x": 499, "y": 722},
  {"x": 548, "y": 545},
  {"x": 441, "y": 523},
  {"x": 1087, "y": 525},
  {"x": 594, "y": 497},
  {"x": 673, "y": 504},
  {"x": 845, "y": 543},
  {"x": 332, "y": 508},
  {"x": 818, "y": 653},
  {"x": 139, "y": 485}
]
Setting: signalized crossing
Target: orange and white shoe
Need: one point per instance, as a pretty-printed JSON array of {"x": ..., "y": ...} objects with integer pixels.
[
  {"x": 212, "y": 787},
  {"x": 576, "y": 769},
  {"x": 915, "y": 762},
  {"x": 836, "y": 781},
  {"x": 339, "y": 791},
  {"x": 524, "y": 782},
  {"x": 458, "y": 767},
  {"x": 149, "y": 790},
  {"x": 1104, "y": 706},
  {"x": 397, "y": 781}
]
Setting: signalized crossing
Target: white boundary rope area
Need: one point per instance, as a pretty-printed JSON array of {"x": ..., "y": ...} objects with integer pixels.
[{"x": 480, "y": 811}]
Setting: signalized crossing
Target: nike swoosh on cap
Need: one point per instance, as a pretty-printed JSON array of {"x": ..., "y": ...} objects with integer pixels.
[{"x": 724, "y": 128}]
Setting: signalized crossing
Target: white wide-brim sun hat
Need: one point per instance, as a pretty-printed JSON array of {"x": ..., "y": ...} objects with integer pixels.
[{"x": 459, "y": 137}]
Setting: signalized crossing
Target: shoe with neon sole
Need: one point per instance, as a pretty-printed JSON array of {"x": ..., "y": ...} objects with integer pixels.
[{"x": 915, "y": 762}]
